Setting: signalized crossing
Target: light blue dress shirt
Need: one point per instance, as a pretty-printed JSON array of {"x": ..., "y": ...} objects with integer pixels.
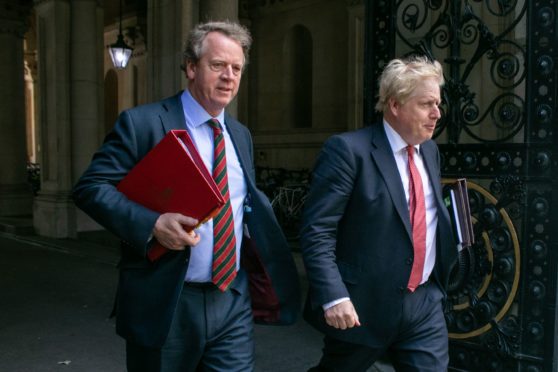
[{"x": 201, "y": 258}]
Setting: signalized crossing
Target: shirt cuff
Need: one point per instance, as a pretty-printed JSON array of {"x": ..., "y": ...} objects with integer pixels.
[{"x": 334, "y": 302}]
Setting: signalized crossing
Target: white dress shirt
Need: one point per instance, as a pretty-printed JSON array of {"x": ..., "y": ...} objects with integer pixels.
[
  {"x": 201, "y": 257},
  {"x": 399, "y": 148}
]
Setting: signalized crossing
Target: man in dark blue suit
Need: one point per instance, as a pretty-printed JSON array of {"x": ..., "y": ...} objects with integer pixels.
[
  {"x": 172, "y": 315},
  {"x": 377, "y": 271}
]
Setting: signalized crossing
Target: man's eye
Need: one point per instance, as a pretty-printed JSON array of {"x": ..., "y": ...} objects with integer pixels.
[
  {"x": 217, "y": 66},
  {"x": 236, "y": 69},
  {"x": 429, "y": 104}
]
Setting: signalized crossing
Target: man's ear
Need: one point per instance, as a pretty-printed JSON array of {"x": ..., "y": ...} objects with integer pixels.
[
  {"x": 190, "y": 69},
  {"x": 393, "y": 106}
]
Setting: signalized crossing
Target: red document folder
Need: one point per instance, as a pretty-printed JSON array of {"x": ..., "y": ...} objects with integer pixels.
[{"x": 172, "y": 178}]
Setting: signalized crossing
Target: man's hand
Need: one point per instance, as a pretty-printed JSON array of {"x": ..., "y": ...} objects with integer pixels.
[
  {"x": 169, "y": 231},
  {"x": 342, "y": 316}
]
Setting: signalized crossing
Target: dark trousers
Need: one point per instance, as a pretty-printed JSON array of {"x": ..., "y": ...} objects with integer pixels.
[
  {"x": 419, "y": 345},
  {"x": 211, "y": 331}
]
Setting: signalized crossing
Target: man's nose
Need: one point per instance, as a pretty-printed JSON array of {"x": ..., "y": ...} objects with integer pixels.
[
  {"x": 228, "y": 72},
  {"x": 436, "y": 112}
]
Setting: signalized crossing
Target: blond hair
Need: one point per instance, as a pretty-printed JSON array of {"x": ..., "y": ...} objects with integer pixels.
[{"x": 401, "y": 77}]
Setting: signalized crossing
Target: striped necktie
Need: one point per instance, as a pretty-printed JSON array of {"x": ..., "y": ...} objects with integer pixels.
[
  {"x": 224, "y": 241},
  {"x": 417, "y": 211}
]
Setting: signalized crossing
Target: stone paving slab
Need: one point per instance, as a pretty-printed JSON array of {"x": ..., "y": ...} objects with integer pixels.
[{"x": 56, "y": 296}]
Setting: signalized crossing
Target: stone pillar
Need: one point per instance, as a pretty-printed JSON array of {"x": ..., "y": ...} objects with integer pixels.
[
  {"x": 69, "y": 108},
  {"x": 85, "y": 85},
  {"x": 15, "y": 193},
  {"x": 31, "y": 89},
  {"x": 221, "y": 10},
  {"x": 53, "y": 210},
  {"x": 168, "y": 23},
  {"x": 29, "y": 114}
]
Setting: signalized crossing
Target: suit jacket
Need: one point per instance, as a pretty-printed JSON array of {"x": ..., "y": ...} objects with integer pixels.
[
  {"x": 148, "y": 291},
  {"x": 356, "y": 235}
]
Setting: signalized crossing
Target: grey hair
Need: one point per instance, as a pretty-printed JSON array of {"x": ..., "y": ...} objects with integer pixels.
[
  {"x": 193, "y": 47},
  {"x": 401, "y": 77}
]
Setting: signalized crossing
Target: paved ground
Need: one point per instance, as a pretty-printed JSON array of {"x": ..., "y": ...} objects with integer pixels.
[{"x": 55, "y": 298}]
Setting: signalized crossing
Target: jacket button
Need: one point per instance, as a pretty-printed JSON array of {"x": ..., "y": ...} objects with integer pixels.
[
  {"x": 409, "y": 261},
  {"x": 401, "y": 289}
]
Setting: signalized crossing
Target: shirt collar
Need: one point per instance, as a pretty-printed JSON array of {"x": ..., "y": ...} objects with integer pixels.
[
  {"x": 195, "y": 114},
  {"x": 395, "y": 141}
]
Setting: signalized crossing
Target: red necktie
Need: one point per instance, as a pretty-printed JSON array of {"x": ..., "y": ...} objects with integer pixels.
[
  {"x": 224, "y": 241},
  {"x": 417, "y": 211}
]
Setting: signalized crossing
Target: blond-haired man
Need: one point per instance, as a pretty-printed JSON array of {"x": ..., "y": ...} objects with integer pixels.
[{"x": 376, "y": 236}]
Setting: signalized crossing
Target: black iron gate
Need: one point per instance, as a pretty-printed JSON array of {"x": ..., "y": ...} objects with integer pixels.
[{"x": 499, "y": 131}]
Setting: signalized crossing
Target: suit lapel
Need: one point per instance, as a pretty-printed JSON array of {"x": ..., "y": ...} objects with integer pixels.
[
  {"x": 172, "y": 114},
  {"x": 383, "y": 157},
  {"x": 241, "y": 146},
  {"x": 430, "y": 161}
]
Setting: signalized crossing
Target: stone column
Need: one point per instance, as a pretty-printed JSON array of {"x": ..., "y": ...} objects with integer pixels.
[
  {"x": 31, "y": 89},
  {"x": 168, "y": 23},
  {"x": 53, "y": 210},
  {"x": 68, "y": 34},
  {"x": 15, "y": 193},
  {"x": 85, "y": 87},
  {"x": 84, "y": 58}
]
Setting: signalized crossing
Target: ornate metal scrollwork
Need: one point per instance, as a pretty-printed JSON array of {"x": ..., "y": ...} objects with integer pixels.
[
  {"x": 495, "y": 53},
  {"x": 485, "y": 280},
  {"x": 499, "y": 129}
]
